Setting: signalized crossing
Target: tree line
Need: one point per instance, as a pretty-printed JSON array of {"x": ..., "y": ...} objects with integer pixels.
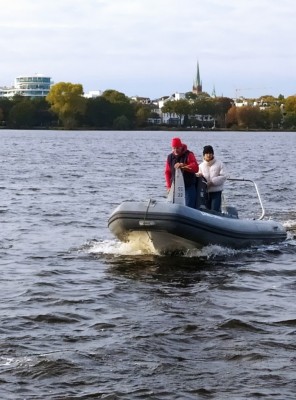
[{"x": 66, "y": 108}]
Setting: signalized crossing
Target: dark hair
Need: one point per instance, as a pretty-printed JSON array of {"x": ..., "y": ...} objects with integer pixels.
[{"x": 208, "y": 149}]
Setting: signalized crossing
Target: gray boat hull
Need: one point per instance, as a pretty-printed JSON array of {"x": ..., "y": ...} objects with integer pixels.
[{"x": 173, "y": 227}]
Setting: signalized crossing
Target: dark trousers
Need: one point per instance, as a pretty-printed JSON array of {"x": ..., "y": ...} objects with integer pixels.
[
  {"x": 214, "y": 201},
  {"x": 190, "y": 196}
]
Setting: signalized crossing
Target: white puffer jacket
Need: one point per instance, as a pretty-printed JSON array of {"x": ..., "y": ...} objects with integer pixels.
[{"x": 215, "y": 173}]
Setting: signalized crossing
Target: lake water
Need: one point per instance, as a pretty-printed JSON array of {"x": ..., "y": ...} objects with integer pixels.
[{"x": 86, "y": 317}]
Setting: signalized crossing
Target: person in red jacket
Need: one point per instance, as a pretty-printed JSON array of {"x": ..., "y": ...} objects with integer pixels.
[{"x": 182, "y": 158}]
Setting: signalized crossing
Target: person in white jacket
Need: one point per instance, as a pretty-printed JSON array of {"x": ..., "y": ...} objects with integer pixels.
[{"x": 214, "y": 172}]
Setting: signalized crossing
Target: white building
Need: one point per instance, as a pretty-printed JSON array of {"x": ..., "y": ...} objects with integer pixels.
[
  {"x": 170, "y": 118},
  {"x": 142, "y": 100},
  {"x": 174, "y": 97},
  {"x": 241, "y": 102},
  {"x": 28, "y": 86},
  {"x": 93, "y": 94}
]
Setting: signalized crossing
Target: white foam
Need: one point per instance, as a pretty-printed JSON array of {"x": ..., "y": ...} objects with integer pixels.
[
  {"x": 290, "y": 225},
  {"x": 133, "y": 247},
  {"x": 210, "y": 252},
  {"x": 15, "y": 361},
  {"x": 137, "y": 247}
]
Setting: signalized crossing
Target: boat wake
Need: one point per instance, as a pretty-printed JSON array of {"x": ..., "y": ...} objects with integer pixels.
[
  {"x": 135, "y": 247},
  {"x": 139, "y": 248},
  {"x": 290, "y": 226}
]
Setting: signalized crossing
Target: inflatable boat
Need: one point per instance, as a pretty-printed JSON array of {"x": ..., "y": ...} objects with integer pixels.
[{"x": 171, "y": 226}]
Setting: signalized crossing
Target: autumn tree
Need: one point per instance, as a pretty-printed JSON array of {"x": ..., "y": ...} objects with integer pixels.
[
  {"x": 115, "y": 97},
  {"x": 231, "y": 118},
  {"x": 67, "y": 102},
  {"x": 290, "y": 104},
  {"x": 249, "y": 117}
]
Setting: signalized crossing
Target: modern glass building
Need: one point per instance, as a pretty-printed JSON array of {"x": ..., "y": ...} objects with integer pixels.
[{"x": 28, "y": 86}]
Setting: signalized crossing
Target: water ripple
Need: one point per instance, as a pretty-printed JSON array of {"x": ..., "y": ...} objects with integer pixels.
[{"x": 86, "y": 317}]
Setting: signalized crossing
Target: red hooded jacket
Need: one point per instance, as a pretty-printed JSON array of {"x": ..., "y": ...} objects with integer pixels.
[{"x": 186, "y": 157}]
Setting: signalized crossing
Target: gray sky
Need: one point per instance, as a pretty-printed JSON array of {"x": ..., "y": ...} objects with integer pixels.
[{"x": 151, "y": 47}]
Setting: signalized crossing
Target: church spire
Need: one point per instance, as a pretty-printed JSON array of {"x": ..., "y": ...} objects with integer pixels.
[{"x": 197, "y": 84}]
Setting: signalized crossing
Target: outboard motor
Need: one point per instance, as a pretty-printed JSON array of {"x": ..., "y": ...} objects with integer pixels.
[
  {"x": 177, "y": 192},
  {"x": 201, "y": 193}
]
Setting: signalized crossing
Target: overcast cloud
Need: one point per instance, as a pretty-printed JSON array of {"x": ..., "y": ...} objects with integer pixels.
[{"x": 151, "y": 47}]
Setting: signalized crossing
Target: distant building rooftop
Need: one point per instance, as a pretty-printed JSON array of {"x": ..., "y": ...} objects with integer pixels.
[{"x": 37, "y": 85}]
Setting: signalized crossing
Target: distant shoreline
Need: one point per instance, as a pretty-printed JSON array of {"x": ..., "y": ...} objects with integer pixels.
[{"x": 152, "y": 129}]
